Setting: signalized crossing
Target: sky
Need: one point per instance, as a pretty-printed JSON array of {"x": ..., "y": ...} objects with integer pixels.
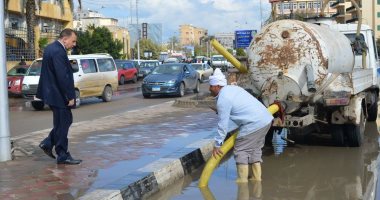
[{"x": 217, "y": 16}]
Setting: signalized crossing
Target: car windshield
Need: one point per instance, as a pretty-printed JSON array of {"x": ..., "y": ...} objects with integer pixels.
[
  {"x": 148, "y": 64},
  {"x": 197, "y": 66},
  {"x": 167, "y": 69},
  {"x": 17, "y": 71},
  {"x": 35, "y": 69}
]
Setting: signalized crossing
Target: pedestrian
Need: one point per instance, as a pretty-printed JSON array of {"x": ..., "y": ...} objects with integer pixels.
[
  {"x": 56, "y": 89},
  {"x": 253, "y": 119}
]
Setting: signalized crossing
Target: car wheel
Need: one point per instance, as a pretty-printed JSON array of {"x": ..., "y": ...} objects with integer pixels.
[
  {"x": 107, "y": 94},
  {"x": 122, "y": 80},
  {"x": 181, "y": 90},
  {"x": 146, "y": 95},
  {"x": 196, "y": 89},
  {"x": 134, "y": 80},
  {"x": 77, "y": 99},
  {"x": 38, "y": 105}
]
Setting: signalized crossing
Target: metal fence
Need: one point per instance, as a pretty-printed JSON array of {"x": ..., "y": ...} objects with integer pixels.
[{"x": 17, "y": 47}]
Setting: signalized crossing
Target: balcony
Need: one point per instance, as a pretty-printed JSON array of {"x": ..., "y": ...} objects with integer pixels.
[
  {"x": 353, "y": 9},
  {"x": 338, "y": 15},
  {"x": 352, "y": 20},
  {"x": 338, "y": 3}
]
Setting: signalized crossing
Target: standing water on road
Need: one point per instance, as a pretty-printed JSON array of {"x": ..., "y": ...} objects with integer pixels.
[{"x": 301, "y": 172}]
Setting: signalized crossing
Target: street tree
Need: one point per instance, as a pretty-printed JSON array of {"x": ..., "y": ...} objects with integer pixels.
[
  {"x": 99, "y": 40},
  {"x": 30, "y": 7},
  {"x": 173, "y": 43},
  {"x": 146, "y": 45},
  {"x": 240, "y": 52}
]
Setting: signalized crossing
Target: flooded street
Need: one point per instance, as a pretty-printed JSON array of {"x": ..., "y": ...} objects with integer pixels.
[{"x": 312, "y": 171}]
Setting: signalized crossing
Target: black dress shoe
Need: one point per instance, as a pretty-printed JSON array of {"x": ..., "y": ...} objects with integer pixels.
[
  {"x": 69, "y": 161},
  {"x": 47, "y": 151}
]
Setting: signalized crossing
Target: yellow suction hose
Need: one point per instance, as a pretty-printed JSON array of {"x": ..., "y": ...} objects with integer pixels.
[{"x": 213, "y": 162}]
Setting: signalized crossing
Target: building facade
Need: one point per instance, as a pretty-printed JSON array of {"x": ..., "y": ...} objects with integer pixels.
[
  {"x": 191, "y": 35},
  {"x": 51, "y": 19},
  {"x": 342, "y": 10},
  {"x": 302, "y": 8},
  {"x": 226, "y": 39}
]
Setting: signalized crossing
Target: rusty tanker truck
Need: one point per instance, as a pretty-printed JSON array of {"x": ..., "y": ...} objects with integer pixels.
[{"x": 323, "y": 74}]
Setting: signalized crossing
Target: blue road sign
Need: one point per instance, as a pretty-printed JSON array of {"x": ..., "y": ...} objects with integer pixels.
[{"x": 244, "y": 37}]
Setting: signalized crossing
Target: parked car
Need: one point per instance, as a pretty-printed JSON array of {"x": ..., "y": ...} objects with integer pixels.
[
  {"x": 95, "y": 75},
  {"x": 147, "y": 66},
  {"x": 173, "y": 78},
  {"x": 126, "y": 71},
  {"x": 15, "y": 77},
  {"x": 204, "y": 70}
]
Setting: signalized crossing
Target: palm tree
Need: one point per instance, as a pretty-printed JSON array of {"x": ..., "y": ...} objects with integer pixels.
[{"x": 30, "y": 7}]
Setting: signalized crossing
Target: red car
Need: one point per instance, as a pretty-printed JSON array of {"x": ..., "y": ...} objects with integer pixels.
[
  {"x": 126, "y": 71},
  {"x": 15, "y": 76}
]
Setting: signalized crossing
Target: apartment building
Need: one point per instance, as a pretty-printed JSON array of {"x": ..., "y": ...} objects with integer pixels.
[
  {"x": 226, "y": 39},
  {"x": 302, "y": 8},
  {"x": 51, "y": 19},
  {"x": 191, "y": 35}
]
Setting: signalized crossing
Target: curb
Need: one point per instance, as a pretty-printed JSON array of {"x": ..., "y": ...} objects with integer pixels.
[{"x": 157, "y": 175}]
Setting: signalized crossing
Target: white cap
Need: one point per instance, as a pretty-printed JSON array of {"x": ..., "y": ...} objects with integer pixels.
[{"x": 218, "y": 78}]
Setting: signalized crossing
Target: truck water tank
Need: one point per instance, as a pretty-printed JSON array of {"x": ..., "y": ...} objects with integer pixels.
[{"x": 290, "y": 58}]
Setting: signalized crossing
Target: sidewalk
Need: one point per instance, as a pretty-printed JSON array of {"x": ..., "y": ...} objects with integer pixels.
[{"x": 116, "y": 150}]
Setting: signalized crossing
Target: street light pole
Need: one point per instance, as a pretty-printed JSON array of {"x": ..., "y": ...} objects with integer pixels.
[
  {"x": 138, "y": 32},
  {"x": 5, "y": 142}
]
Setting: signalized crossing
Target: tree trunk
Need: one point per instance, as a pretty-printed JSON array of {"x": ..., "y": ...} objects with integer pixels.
[{"x": 30, "y": 24}]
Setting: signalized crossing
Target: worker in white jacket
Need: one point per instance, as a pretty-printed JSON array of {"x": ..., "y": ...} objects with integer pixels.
[{"x": 253, "y": 119}]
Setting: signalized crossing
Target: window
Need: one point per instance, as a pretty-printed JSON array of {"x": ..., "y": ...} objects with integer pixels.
[
  {"x": 88, "y": 66},
  {"x": 310, "y": 5},
  {"x": 351, "y": 37},
  {"x": 378, "y": 27},
  {"x": 286, "y": 6},
  {"x": 294, "y": 6},
  {"x": 302, "y": 5},
  {"x": 105, "y": 65},
  {"x": 378, "y": 14},
  {"x": 378, "y": 2}
]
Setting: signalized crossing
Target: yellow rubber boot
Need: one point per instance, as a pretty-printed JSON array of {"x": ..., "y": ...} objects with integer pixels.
[
  {"x": 256, "y": 171},
  {"x": 242, "y": 172}
]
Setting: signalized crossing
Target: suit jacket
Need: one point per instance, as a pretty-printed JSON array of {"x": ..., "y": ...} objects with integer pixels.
[{"x": 56, "y": 84}]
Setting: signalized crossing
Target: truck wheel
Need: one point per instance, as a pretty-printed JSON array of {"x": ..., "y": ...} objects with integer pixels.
[
  {"x": 38, "y": 105},
  {"x": 355, "y": 132},
  {"x": 337, "y": 134},
  {"x": 372, "y": 111},
  {"x": 107, "y": 94}
]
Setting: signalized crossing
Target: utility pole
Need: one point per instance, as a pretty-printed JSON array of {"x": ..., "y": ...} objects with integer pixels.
[
  {"x": 138, "y": 32},
  {"x": 5, "y": 142}
]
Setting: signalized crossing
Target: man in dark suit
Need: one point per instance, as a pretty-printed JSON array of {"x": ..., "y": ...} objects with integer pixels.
[{"x": 56, "y": 89}]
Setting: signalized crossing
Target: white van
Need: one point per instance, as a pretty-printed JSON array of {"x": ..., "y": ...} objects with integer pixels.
[
  {"x": 95, "y": 75},
  {"x": 218, "y": 61}
]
